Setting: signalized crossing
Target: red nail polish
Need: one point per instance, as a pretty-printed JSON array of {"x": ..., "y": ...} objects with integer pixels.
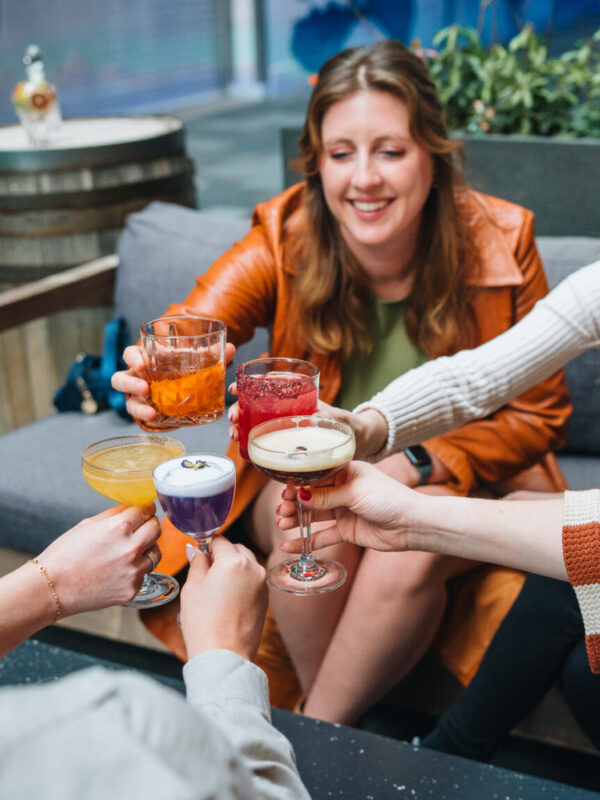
[
  {"x": 283, "y": 493},
  {"x": 278, "y": 507},
  {"x": 305, "y": 494}
]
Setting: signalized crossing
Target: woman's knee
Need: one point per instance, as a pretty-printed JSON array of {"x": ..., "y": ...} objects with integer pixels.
[{"x": 396, "y": 577}]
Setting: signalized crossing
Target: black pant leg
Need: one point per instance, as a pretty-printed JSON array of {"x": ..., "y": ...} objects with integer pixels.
[
  {"x": 581, "y": 689},
  {"x": 523, "y": 661}
]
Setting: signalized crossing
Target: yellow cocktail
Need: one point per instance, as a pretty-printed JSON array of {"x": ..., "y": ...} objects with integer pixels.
[
  {"x": 123, "y": 472},
  {"x": 121, "y": 468}
]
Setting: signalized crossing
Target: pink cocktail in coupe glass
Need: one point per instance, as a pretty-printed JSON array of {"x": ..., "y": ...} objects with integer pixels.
[{"x": 269, "y": 388}]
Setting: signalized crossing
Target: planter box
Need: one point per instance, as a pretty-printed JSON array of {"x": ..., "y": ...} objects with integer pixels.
[{"x": 558, "y": 179}]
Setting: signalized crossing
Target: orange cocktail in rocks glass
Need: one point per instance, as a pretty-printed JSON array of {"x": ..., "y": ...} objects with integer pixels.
[{"x": 185, "y": 366}]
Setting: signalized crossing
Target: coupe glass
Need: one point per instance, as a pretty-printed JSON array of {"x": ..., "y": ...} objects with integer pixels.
[
  {"x": 196, "y": 494},
  {"x": 274, "y": 387},
  {"x": 303, "y": 451},
  {"x": 121, "y": 468}
]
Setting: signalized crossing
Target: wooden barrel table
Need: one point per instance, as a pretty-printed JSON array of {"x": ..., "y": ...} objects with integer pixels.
[{"x": 65, "y": 204}]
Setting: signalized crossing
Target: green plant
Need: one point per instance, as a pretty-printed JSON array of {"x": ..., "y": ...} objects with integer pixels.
[{"x": 517, "y": 89}]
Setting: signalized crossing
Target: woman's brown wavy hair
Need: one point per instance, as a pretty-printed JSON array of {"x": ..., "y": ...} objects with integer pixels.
[{"x": 330, "y": 284}]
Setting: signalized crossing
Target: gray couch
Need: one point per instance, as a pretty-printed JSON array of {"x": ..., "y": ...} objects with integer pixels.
[{"x": 161, "y": 251}]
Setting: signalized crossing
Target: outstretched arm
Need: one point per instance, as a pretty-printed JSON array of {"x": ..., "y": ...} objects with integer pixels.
[
  {"x": 375, "y": 511},
  {"x": 98, "y": 563},
  {"x": 452, "y": 390},
  {"x": 223, "y": 606}
]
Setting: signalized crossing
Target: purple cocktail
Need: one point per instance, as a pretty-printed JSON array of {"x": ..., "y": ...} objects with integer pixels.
[{"x": 196, "y": 493}]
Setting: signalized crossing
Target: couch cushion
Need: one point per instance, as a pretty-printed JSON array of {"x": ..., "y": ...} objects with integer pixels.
[
  {"x": 562, "y": 255},
  {"x": 581, "y": 471},
  {"x": 161, "y": 251},
  {"x": 47, "y": 455}
]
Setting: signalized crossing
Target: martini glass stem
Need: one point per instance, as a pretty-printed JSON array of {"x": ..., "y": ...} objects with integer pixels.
[{"x": 306, "y": 568}]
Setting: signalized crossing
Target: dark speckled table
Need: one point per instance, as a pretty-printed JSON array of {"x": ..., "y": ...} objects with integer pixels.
[{"x": 334, "y": 761}]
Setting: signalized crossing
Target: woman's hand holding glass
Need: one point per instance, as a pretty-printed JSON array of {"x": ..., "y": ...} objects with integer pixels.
[
  {"x": 370, "y": 427},
  {"x": 133, "y": 382},
  {"x": 523, "y": 530},
  {"x": 224, "y": 600},
  {"x": 102, "y": 561},
  {"x": 367, "y": 508}
]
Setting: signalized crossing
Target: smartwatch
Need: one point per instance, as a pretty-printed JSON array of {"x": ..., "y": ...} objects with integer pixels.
[{"x": 419, "y": 458}]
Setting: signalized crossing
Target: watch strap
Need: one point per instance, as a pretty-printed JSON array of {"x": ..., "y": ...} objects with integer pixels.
[{"x": 421, "y": 460}]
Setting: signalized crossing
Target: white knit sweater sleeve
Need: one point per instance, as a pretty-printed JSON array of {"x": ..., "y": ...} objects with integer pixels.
[{"x": 452, "y": 390}]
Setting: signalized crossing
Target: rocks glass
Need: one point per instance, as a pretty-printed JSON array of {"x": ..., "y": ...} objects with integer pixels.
[{"x": 185, "y": 367}]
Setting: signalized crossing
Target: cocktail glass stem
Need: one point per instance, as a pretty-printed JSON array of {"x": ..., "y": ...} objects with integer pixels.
[
  {"x": 146, "y": 586},
  {"x": 306, "y": 568},
  {"x": 203, "y": 543}
]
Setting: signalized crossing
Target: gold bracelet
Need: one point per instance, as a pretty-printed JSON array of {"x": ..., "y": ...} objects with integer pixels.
[{"x": 50, "y": 582}]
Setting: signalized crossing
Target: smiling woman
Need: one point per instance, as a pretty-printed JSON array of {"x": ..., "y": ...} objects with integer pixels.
[
  {"x": 375, "y": 149},
  {"x": 376, "y": 185},
  {"x": 382, "y": 259}
]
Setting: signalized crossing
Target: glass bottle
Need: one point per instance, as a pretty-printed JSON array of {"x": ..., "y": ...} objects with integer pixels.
[{"x": 34, "y": 100}]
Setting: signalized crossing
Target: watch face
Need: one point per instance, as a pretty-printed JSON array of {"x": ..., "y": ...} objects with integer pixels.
[{"x": 418, "y": 456}]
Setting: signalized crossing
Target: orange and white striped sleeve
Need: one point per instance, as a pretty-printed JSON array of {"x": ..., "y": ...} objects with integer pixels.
[{"x": 581, "y": 550}]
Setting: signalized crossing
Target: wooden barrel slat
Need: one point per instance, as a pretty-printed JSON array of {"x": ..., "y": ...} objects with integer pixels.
[
  {"x": 61, "y": 221},
  {"x": 54, "y": 252},
  {"x": 54, "y": 182},
  {"x": 61, "y": 206},
  {"x": 150, "y": 190}
]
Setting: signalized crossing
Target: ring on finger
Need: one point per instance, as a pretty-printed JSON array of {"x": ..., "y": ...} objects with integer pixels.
[{"x": 153, "y": 559}]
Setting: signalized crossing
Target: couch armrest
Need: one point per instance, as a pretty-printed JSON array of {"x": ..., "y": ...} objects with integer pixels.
[{"x": 90, "y": 284}]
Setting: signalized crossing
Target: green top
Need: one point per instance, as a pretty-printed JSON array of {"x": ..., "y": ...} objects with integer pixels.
[{"x": 392, "y": 354}]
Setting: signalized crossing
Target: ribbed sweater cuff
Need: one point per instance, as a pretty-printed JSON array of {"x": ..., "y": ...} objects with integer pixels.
[
  {"x": 581, "y": 550},
  {"x": 410, "y": 420}
]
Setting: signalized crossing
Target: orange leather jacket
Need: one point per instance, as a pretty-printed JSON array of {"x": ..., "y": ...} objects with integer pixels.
[{"x": 251, "y": 285}]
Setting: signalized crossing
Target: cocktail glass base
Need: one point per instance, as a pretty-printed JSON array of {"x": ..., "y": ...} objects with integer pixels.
[
  {"x": 326, "y": 576},
  {"x": 156, "y": 590}
]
